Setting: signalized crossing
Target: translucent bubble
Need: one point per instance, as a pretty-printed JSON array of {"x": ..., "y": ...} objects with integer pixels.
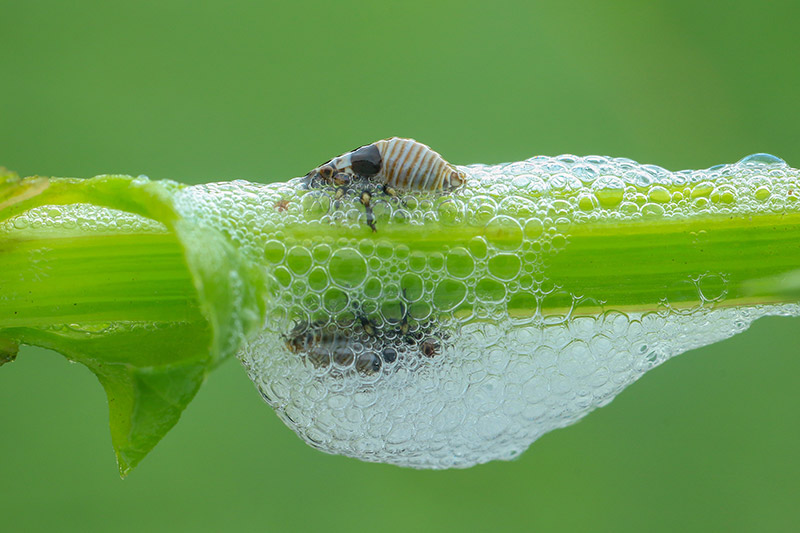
[
  {"x": 322, "y": 252},
  {"x": 761, "y": 160},
  {"x": 652, "y": 210},
  {"x": 586, "y": 202},
  {"x": 504, "y": 266},
  {"x": 384, "y": 249},
  {"x": 366, "y": 247},
  {"x": 712, "y": 287},
  {"x": 522, "y": 307},
  {"x": 459, "y": 263},
  {"x": 298, "y": 259},
  {"x": 21, "y": 222},
  {"x": 518, "y": 207},
  {"x": 417, "y": 261},
  {"x": 412, "y": 286},
  {"x": 659, "y": 194},
  {"x": 724, "y": 194},
  {"x": 436, "y": 261},
  {"x": 318, "y": 279},
  {"x": 762, "y": 193},
  {"x": 609, "y": 191},
  {"x": 450, "y": 212},
  {"x": 347, "y": 268},
  {"x": 449, "y": 294},
  {"x": 335, "y": 300},
  {"x": 373, "y": 288},
  {"x": 480, "y": 210},
  {"x": 490, "y": 291},
  {"x": 702, "y": 189},
  {"x": 533, "y": 229},
  {"x": 283, "y": 276}
]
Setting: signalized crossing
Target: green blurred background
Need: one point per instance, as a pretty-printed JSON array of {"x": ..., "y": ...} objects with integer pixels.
[{"x": 199, "y": 91}]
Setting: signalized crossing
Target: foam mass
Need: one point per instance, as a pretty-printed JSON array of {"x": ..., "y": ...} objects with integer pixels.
[{"x": 473, "y": 322}]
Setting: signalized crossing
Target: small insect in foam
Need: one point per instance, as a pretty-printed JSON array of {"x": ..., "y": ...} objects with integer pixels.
[
  {"x": 395, "y": 164},
  {"x": 322, "y": 345},
  {"x": 362, "y": 345}
]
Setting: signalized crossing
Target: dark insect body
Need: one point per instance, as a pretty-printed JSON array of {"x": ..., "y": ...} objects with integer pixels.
[{"x": 361, "y": 344}]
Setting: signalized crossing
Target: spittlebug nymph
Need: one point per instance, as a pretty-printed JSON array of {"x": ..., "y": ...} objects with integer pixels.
[
  {"x": 400, "y": 164},
  {"x": 361, "y": 345},
  {"x": 396, "y": 164},
  {"x": 345, "y": 347}
]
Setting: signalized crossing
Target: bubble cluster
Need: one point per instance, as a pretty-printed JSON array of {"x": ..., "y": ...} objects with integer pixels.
[
  {"x": 80, "y": 217},
  {"x": 442, "y": 339}
]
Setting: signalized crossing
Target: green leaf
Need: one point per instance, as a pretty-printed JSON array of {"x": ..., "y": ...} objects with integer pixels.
[{"x": 147, "y": 300}]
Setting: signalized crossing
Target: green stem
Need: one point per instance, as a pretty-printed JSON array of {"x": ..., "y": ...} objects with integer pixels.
[
  {"x": 133, "y": 277},
  {"x": 636, "y": 265}
]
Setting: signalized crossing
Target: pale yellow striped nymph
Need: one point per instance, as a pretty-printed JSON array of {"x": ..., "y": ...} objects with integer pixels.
[
  {"x": 402, "y": 164},
  {"x": 395, "y": 164}
]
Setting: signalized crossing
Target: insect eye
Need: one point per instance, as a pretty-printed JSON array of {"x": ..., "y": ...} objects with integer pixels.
[{"x": 366, "y": 161}]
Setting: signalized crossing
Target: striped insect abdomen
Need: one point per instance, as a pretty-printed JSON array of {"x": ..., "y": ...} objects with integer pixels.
[{"x": 410, "y": 165}]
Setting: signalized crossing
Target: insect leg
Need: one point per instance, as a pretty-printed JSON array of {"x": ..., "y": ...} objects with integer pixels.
[
  {"x": 392, "y": 193},
  {"x": 365, "y": 199},
  {"x": 338, "y": 195},
  {"x": 367, "y": 324},
  {"x": 404, "y": 326}
]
